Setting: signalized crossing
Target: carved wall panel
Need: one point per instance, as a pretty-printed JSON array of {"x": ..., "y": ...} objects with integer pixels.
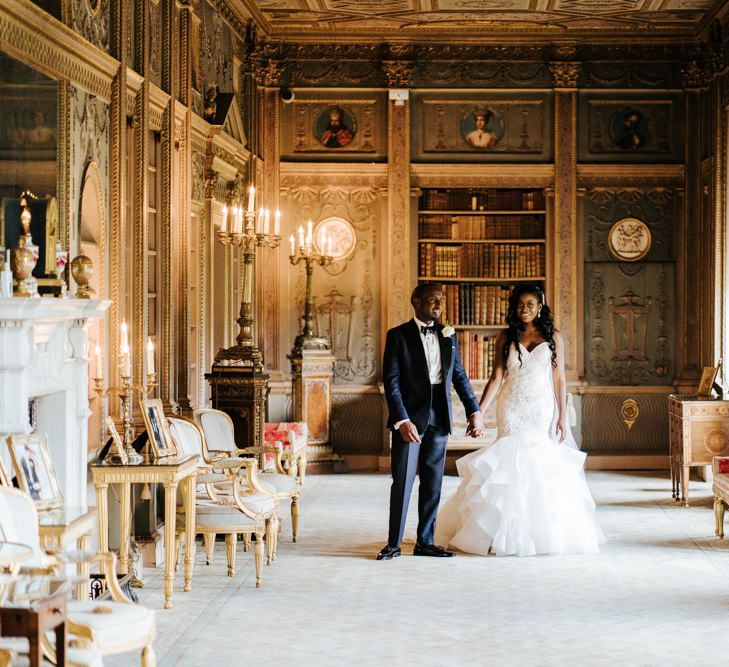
[
  {"x": 154, "y": 8},
  {"x": 470, "y": 73},
  {"x": 631, "y": 74},
  {"x": 89, "y": 143},
  {"x": 347, "y": 293},
  {"x": 630, "y": 307},
  {"x": 215, "y": 51},
  {"x": 483, "y": 127},
  {"x": 334, "y": 128},
  {"x": 355, "y": 421},
  {"x": 91, "y": 18},
  {"x": 625, "y": 424},
  {"x": 628, "y": 128}
]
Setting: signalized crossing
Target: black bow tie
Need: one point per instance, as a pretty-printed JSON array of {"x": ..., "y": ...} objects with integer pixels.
[{"x": 426, "y": 330}]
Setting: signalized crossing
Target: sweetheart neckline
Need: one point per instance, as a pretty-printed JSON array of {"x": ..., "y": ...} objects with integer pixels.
[{"x": 528, "y": 351}]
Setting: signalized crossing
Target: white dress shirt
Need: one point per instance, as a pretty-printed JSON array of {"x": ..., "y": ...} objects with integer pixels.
[{"x": 431, "y": 346}]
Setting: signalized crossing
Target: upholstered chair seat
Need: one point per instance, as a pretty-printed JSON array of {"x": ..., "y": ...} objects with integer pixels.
[
  {"x": 14, "y": 653},
  {"x": 720, "y": 488}
]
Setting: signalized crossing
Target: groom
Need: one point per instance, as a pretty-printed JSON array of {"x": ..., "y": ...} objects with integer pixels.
[{"x": 420, "y": 365}]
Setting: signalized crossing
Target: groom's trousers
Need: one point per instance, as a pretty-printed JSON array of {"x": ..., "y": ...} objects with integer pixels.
[{"x": 427, "y": 460}]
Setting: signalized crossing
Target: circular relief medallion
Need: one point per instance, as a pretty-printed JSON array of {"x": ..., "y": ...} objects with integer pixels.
[
  {"x": 629, "y": 239},
  {"x": 340, "y": 235},
  {"x": 716, "y": 440}
]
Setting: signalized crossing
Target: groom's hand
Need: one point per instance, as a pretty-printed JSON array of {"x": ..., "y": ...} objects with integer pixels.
[
  {"x": 408, "y": 432},
  {"x": 475, "y": 425}
]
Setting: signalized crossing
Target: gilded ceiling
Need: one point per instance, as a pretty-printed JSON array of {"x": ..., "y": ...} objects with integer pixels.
[{"x": 474, "y": 19}]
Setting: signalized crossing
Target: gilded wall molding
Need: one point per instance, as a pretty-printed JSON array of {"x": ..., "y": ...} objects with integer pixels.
[
  {"x": 472, "y": 175},
  {"x": 644, "y": 174},
  {"x": 57, "y": 50}
]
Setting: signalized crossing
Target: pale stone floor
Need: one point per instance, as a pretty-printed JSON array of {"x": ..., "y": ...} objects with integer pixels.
[{"x": 657, "y": 593}]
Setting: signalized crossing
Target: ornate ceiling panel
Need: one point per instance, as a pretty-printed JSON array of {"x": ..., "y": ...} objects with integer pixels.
[{"x": 479, "y": 19}]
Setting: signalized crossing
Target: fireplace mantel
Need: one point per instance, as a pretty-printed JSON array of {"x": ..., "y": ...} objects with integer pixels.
[{"x": 44, "y": 356}]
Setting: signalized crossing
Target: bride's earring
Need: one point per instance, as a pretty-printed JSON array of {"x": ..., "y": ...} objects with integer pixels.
[{"x": 539, "y": 313}]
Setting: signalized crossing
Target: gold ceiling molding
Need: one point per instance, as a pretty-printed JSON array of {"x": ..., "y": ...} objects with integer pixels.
[
  {"x": 534, "y": 20},
  {"x": 602, "y": 174},
  {"x": 57, "y": 51},
  {"x": 475, "y": 175}
]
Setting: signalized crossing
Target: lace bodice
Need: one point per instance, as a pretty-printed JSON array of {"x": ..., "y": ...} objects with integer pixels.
[{"x": 526, "y": 400}]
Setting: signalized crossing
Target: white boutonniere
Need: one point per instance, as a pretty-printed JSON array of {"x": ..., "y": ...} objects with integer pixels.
[{"x": 448, "y": 330}]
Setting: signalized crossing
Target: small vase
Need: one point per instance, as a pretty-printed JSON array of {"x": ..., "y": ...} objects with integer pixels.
[{"x": 22, "y": 263}]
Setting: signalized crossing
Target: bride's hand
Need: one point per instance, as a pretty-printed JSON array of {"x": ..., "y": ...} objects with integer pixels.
[{"x": 562, "y": 428}]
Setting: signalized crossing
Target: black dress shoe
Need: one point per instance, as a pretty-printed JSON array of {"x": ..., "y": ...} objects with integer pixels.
[
  {"x": 389, "y": 553},
  {"x": 431, "y": 550}
]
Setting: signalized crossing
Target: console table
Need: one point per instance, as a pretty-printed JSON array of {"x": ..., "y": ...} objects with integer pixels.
[
  {"x": 168, "y": 471},
  {"x": 699, "y": 430}
]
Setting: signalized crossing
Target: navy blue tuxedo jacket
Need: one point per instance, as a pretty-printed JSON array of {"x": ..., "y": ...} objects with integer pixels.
[{"x": 407, "y": 381}]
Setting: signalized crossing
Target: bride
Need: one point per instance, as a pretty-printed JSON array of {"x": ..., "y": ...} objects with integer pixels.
[{"x": 526, "y": 494}]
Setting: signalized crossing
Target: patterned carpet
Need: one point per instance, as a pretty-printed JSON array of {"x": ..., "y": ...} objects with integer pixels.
[{"x": 657, "y": 594}]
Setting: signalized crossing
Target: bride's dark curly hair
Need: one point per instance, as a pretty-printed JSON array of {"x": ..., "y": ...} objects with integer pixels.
[{"x": 544, "y": 323}]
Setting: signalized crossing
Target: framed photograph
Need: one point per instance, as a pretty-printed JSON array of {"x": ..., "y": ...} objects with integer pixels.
[
  {"x": 120, "y": 453},
  {"x": 34, "y": 469},
  {"x": 158, "y": 430},
  {"x": 707, "y": 381}
]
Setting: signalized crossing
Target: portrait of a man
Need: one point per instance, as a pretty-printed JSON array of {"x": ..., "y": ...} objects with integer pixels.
[
  {"x": 629, "y": 129},
  {"x": 35, "y": 473},
  {"x": 335, "y": 127},
  {"x": 482, "y": 129}
]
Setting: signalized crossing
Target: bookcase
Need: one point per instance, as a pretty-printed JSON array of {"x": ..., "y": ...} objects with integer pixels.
[{"x": 479, "y": 243}]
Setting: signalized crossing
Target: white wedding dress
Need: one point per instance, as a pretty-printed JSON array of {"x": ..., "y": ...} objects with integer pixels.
[{"x": 527, "y": 493}]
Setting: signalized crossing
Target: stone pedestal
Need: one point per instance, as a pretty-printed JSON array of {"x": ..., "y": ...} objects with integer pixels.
[
  {"x": 241, "y": 392},
  {"x": 312, "y": 371}
]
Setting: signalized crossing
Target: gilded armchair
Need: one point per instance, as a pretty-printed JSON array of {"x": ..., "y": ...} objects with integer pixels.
[{"x": 219, "y": 433}]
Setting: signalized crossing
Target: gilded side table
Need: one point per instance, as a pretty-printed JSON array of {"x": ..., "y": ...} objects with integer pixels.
[
  {"x": 60, "y": 527},
  {"x": 699, "y": 430},
  {"x": 169, "y": 472}
]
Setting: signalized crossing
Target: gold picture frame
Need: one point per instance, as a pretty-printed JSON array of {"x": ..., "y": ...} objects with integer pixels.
[
  {"x": 708, "y": 376},
  {"x": 160, "y": 438},
  {"x": 120, "y": 455},
  {"x": 34, "y": 469}
]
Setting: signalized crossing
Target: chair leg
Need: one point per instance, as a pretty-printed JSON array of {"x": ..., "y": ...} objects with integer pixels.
[
  {"x": 178, "y": 548},
  {"x": 230, "y": 544},
  {"x": 209, "y": 542},
  {"x": 258, "y": 557},
  {"x": 149, "y": 659},
  {"x": 302, "y": 469},
  {"x": 246, "y": 542},
  {"x": 295, "y": 516},
  {"x": 269, "y": 540},
  {"x": 719, "y": 516}
]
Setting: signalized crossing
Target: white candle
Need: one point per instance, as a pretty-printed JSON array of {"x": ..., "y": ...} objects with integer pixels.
[
  {"x": 277, "y": 223},
  {"x": 150, "y": 355},
  {"x": 259, "y": 222},
  {"x": 240, "y": 219},
  {"x": 293, "y": 246},
  {"x": 323, "y": 242},
  {"x": 251, "y": 199},
  {"x": 309, "y": 226},
  {"x": 329, "y": 246},
  {"x": 301, "y": 236},
  {"x": 224, "y": 224},
  {"x": 126, "y": 361},
  {"x": 124, "y": 336},
  {"x": 266, "y": 221},
  {"x": 99, "y": 370},
  {"x": 234, "y": 220}
]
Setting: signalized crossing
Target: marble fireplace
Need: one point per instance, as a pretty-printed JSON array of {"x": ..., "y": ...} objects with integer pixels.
[{"x": 44, "y": 361}]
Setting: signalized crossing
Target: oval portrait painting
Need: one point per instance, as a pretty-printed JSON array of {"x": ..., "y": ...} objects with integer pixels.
[
  {"x": 335, "y": 127},
  {"x": 629, "y": 128},
  {"x": 482, "y": 128}
]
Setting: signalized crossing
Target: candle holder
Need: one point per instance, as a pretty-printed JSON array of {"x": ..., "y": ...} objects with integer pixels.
[
  {"x": 307, "y": 254},
  {"x": 246, "y": 233},
  {"x": 126, "y": 395}
]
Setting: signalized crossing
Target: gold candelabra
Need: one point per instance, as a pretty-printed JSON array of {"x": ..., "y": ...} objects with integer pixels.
[
  {"x": 306, "y": 253},
  {"x": 127, "y": 389},
  {"x": 240, "y": 228}
]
